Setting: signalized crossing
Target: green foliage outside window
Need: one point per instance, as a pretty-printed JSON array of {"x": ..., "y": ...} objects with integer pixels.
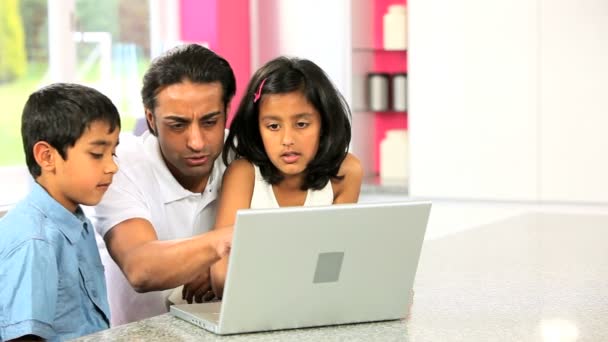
[{"x": 13, "y": 62}]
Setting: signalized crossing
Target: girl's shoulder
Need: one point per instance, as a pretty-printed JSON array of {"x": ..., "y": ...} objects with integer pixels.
[
  {"x": 241, "y": 163},
  {"x": 240, "y": 168},
  {"x": 351, "y": 170},
  {"x": 351, "y": 167},
  {"x": 347, "y": 189}
]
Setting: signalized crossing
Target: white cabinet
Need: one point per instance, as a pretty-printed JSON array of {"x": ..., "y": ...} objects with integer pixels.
[
  {"x": 508, "y": 99},
  {"x": 473, "y": 88},
  {"x": 574, "y": 100}
]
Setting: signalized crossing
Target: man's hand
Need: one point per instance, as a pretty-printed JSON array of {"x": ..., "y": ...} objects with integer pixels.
[
  {"x": 221, "y": 240},
  {"x": 199, "y": 289}
]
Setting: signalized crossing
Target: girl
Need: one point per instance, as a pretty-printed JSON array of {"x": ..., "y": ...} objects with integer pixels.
[{"x": 290, "y": 138}]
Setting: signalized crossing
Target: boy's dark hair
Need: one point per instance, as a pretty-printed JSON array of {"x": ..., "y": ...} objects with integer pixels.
[
  {"x": 284, "y": 75},
  {"x": 59, "y": 114},
  {"x": 191, "y": 62}
]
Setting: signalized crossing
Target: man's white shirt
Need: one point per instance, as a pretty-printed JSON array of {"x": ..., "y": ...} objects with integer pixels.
[{"x": 144, "y": 188}]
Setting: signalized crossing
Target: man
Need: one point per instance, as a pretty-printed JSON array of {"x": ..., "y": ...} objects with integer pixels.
[{"x": 155, "y": 217}]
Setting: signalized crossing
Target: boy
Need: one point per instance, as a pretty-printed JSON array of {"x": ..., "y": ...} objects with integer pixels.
[{"x": 52, "y": 278}]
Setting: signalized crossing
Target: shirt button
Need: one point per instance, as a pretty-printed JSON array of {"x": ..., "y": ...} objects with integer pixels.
[{"x": 94, "y": 293}]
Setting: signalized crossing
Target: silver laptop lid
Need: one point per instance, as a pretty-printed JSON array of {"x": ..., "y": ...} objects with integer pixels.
[{"x": 311, "y": 266}]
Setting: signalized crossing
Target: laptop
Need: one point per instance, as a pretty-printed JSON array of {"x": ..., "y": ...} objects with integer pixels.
[{"x": 302, "y": 267}]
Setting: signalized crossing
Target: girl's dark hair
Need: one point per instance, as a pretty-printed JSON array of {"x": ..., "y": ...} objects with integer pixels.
[
  {"x": 284, "y": 75},
  {"x": 59, "y": 114},
  {"x": 191, "y": 62}
]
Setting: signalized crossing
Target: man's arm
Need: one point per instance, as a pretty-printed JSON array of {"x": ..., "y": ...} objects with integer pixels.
[{"x": 151, "y": 265}]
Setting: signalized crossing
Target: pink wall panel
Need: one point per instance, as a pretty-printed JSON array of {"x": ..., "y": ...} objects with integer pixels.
[
  {"x": 234, "y": 43},
  {"x": 198, "y": 21},
  {"x": 224, "y": 25}
]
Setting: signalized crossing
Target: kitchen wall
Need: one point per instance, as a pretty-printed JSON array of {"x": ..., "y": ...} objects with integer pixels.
[{"x": 507, "y": 99}]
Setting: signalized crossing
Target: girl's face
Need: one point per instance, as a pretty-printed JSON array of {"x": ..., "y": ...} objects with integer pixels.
[{"x": 290, "y": 128}]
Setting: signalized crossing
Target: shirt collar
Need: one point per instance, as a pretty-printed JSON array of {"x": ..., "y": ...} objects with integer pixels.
[
  {"x": 70, "y": 224},
  {"x": 170, "y": 188}
]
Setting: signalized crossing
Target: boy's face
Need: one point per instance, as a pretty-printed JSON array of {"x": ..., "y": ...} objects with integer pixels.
[
  {"x": 189, "y": 121},
  {"x": 86, "y": 173}
]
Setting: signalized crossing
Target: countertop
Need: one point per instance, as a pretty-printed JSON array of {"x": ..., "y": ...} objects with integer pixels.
[
  {"x": 533, "y": 277},
  {"x": 168, "y": 328}
]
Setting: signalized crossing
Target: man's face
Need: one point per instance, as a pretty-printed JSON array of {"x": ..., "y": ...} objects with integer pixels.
[{"x": 189, "y": 121}]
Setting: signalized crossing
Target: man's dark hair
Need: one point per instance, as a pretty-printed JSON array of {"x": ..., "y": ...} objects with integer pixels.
[
  {"x": 285, "y": 75},
  {"x": 190, "y": 62},
  {"x": 59, "y": 114}
]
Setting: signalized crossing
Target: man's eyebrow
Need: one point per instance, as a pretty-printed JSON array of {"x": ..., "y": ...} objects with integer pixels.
[
  {"x": 176, "y": 118},
  {"x": 211, "y": 115},
  {"x": 183, "y": 119}
]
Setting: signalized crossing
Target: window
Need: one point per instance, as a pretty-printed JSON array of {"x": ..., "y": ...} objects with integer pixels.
[{"x": 102, "y": 44}]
